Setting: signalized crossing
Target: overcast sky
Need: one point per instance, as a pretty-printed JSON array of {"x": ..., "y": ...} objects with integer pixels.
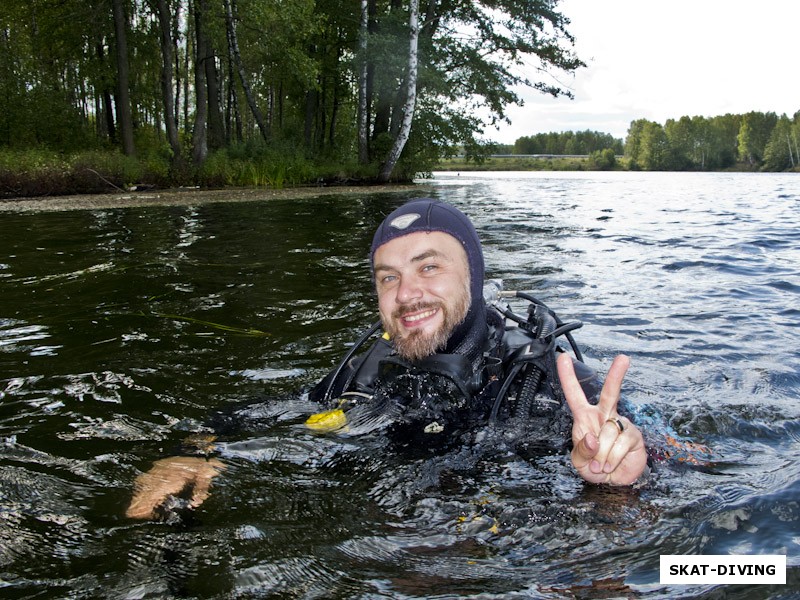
[{"x": 653, "y": 59}]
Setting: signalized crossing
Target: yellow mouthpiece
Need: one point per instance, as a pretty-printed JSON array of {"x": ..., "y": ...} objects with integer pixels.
[{"x": 330, "y": 420}]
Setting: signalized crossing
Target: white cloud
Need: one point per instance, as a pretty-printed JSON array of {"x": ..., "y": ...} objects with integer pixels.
[{"x": 660, "y": 60}]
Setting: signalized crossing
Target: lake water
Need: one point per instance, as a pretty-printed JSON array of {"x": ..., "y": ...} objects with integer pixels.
[{"x": 123, "y": 331}]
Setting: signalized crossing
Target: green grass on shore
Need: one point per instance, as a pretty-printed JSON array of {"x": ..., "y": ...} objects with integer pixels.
[
  {"x": 524, "y": 163},
  {"x": 41, "y": 172}
]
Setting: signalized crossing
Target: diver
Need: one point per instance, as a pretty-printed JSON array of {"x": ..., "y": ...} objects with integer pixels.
[{"x": 453, "y": 358}]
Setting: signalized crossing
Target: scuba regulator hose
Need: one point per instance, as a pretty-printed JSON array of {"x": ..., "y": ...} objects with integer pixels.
[
  {"x": 545, "y": 325},
  {"x": 562, "y": 328},
  {"x": 355, "y": 348}
]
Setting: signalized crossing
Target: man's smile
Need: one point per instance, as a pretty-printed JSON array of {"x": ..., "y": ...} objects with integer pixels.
[
  {"x": 417, "y": 316},
  {"x": 411, "y": 319}
]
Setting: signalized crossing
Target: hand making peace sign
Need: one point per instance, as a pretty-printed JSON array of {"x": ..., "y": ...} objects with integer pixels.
[{"x": 607, "y": 447}]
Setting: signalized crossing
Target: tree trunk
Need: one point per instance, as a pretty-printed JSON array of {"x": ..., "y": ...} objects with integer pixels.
[
  {"x": 310, "y": 117},
  {"x": 186, "y": 55},
  {"x": 233, "y": 103},
  {"x": 237, "y": 59},
  {"x": 124, "y": 118},
  {"x": 410, "y": 92},
  {"x": 176, "y": 55},
  {"x": 108, "y": 104},
  {"x": 430, "y": 24},
  {"x": 380, "y": 92},
  {"x": 165, "y": 23},
  {"x": 234, "y": 118},
  {"x": 108, "y": 110},
  {"x": 280, "y": 105},
  {"x": 363, "y": 115},
  {"x": 322, "y": 116},
  {"x": 383, "y": 112},
  {"x": 796, "y": 147},
  {"x": 199, "y": 137},
  {"x": 334, "y": 116},
  {"x": 216, "y": 128}
]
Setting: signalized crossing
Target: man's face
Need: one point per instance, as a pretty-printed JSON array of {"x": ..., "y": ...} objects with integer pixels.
[{"x": 423, "y": 290}]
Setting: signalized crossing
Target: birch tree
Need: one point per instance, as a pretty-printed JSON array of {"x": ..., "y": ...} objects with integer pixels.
[
  {"x": 199, "y": 135},
  {"x": 779, "y": 153},
  {"x": 233, "y": 44},
  {"x": 410, "y": 94}
]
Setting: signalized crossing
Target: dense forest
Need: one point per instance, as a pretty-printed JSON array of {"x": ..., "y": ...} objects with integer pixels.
[
  {"x": 754, "y": 140},
  {"x": 243, "y": 92},
  {"x": 567, "y": 142},
  {"x": 101, "y": 94}
]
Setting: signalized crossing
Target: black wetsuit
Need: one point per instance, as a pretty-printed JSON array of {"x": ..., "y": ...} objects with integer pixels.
[{"x": 501, "y": 375}]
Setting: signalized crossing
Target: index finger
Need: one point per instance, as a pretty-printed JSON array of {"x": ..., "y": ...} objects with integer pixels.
[{"x": 573, "y": 391}]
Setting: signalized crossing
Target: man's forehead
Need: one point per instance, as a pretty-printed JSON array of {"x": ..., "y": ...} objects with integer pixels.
[{"x": 418, "y": 246}]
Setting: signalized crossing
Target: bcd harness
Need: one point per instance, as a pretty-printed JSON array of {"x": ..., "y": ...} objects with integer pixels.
[{"x": 518, "y": 360}]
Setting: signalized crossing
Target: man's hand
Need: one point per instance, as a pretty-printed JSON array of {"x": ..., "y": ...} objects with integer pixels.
[
  {"x": 172, "y": 477},
  {"x": 607, "y": 447}
]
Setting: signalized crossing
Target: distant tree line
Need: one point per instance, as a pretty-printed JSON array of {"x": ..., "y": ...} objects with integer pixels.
[
  {"x": 755, "y": 140},
  {"x": 371, "y": 84},
  {"x": 567, "y": 142}
]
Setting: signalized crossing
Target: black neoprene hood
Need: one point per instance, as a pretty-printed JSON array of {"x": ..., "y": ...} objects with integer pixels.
[{"x": 427, "y": 215}]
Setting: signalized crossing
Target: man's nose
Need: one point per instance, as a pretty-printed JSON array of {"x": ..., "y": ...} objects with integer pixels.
[{"x": 409, "y": 289}]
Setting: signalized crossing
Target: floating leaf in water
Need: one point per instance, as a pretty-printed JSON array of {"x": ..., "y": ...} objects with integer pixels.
[{"x": 238, "y": 330}]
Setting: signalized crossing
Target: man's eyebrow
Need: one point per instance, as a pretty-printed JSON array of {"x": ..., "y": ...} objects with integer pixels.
[
  {"x": 380, "y": 267},
  {"x": 432, "y": 253},
  {"x": 422, "y": 256}
]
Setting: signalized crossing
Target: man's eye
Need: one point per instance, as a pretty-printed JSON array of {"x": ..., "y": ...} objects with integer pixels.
[
  {"x": 429, "y": 268},
  {"x": 388, "y": 279}
]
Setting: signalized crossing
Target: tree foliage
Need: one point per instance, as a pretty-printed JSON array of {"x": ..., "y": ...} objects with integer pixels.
[
  {"x": 191, "y": 77},
  {"x": 756, "y": 140},
  {"x": 782, "y": 150},
  {"x": 567, "y": 142}
]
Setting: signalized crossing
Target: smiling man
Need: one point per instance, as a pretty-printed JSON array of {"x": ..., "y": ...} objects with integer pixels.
[
  {"x": 449, "y": 360},
  {"x": 448, "y": 364},
  {"x": 422, "y": 281},
  {"x": 428, "y": 267}
]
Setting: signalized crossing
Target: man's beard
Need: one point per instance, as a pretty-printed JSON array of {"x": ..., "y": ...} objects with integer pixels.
[{"x": 416, "y": 344}]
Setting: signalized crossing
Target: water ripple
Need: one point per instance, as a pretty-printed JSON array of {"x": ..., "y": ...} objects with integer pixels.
[{"x": 684, "y": 272}]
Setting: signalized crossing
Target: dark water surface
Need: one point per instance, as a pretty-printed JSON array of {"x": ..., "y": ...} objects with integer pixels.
[{"x": 123, "y": 331}]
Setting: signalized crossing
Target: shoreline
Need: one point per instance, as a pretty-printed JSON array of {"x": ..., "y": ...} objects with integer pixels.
[{"x": 186, "y": 197}]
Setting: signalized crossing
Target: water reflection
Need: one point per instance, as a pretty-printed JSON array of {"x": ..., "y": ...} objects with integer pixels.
[{"x": 124, "y": 331}]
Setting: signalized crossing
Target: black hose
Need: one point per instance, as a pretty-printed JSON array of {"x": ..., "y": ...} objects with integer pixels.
[
  {"x": 566, "y": 328},
  {"x": 504, "y": 390},
  {"x": 360, "y": 342},
  {"x": 545, "y": 326}
]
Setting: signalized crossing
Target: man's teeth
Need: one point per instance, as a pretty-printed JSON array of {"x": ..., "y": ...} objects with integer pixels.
[{"x": 423, "y": 315}]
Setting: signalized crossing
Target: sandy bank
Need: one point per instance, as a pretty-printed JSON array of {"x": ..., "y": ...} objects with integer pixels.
[{"x": 189, "y": 197}]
